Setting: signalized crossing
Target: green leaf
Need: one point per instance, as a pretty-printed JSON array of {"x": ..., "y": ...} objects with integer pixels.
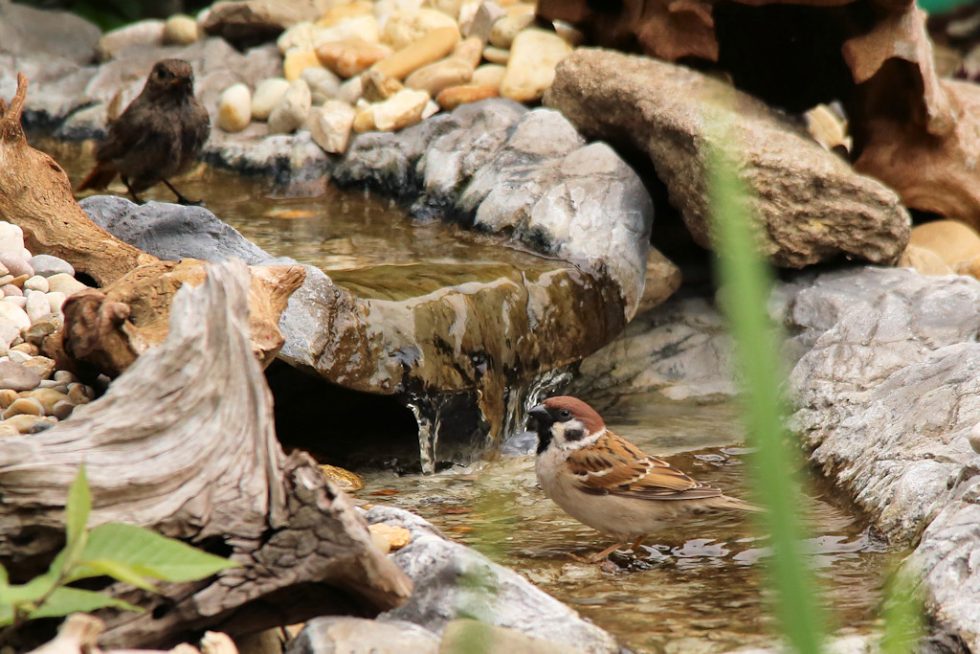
[
  {"x": 66, "y": 600},
  {"x": 902, "y": 613},
  {"x": 76, "y": 515},
  {"x": 941, "y": 6},
  {"x": 131, "y": 574},
  {"x": 744, "y": 295},
  {"x": 39, "y": 586},
  {"x": 153, "y": 555}
]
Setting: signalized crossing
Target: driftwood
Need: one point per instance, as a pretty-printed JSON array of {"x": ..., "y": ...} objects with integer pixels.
[
  {"x": 105, "y": 330},
  {"x": 184, "y": 442}
]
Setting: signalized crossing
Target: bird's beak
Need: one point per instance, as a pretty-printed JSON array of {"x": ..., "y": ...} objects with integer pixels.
[{"x": 540, "y": 414}]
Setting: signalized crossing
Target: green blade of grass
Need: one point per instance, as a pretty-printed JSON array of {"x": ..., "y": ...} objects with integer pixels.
[
  {"x": 903, "y": 622},
  {"x": 746, "y": 283}
]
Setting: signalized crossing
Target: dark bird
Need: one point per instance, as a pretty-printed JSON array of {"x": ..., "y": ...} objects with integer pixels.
[
  {"x": 159, "y": 135},
  {"x": 608, "y": 483}
]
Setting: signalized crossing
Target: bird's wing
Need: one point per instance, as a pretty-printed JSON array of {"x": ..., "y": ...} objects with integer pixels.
[{"x": 614, "y": 466}]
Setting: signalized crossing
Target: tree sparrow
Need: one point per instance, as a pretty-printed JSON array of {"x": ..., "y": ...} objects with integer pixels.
[{"x": 606, "y": 482}]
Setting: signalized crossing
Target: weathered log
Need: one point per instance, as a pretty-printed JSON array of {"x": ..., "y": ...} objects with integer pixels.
[
  {"x": 184, "y": 442},
  {"x": 107, "y": 329},
  {"x": 36, "y": 195}
]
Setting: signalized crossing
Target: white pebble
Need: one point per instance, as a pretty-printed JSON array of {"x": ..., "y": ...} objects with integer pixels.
[
  {"x": 37, "y": 306},
  {"x": 16, "y": 300},
  {"x": 55, "y": 300},
  {"x": 235, "y": 108},
  {"x": 11, "y": 239},
  {"x": 37, "y": 283},
  {"x": 292, "y": 110},
  {"x": 18, "y": 357},
  {"x": 268, "y": 93},
  {"x": 65, "y": 284},
  {"x": 180, "y": 29},
  {"x": 13, "y": 314}
]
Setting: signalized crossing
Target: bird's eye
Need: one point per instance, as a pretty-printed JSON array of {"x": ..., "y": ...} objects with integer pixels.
[{"x": 565, "y": 414}]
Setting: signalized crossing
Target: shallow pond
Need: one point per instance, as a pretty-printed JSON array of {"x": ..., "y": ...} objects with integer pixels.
[{"x": 699, "y": 589}]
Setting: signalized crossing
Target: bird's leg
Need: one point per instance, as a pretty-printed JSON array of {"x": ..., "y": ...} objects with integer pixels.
[
  {"x": 180, "y": 198},
  {"x": 636, "y": 545},
  {"x": 132, "y": 193}
]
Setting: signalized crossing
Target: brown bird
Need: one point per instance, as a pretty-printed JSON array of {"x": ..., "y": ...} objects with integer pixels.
[
  {"x": 606, "y": 482},
  {"x": 159, "y": 135}
]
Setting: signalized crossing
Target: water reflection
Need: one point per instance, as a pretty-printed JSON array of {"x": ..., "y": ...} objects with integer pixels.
[{"x": 699, "y": 587}]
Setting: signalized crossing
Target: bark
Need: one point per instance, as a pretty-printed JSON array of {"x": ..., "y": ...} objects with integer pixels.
[
  {"x": 184, "y": 443},
  {"x": 107, "y": 329}
]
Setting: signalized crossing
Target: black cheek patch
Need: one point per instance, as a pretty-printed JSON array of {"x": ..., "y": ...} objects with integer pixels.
[{"x": 574, "y": 434}]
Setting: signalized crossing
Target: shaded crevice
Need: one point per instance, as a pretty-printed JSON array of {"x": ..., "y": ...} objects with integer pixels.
[{"x": 341, "y": 426}]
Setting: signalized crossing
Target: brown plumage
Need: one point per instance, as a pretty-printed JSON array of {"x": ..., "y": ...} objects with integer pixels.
[
  {"x": 159, "y": 135},
  {"x": 608, "y": 483}
]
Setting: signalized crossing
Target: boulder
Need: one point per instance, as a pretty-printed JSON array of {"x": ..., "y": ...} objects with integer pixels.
[
  {"x": 810, "y": 204},
  {"x": 681, "y": 350},
  {"x": 27, "y": 32},
  {"x": 888, "y": 393},
  {"x": 449, "y": 578}
]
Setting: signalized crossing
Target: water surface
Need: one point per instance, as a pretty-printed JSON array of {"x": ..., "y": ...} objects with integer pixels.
[{"x": 699, "y": 586}]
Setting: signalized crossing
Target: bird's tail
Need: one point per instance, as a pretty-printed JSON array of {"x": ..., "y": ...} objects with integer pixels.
[{"x": 99, "y": 178}]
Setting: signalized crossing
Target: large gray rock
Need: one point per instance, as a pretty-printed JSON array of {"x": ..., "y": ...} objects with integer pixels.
[
  {"x": 811, "y": 204},
  {"x": 171, "y": 231},
  {"x": 26, "y": 32},
  {"x": 680, "y": 349},
  {"x": 451, "y": 579},
  {"x": 342, "y": 635},
  {"x": 524, "y": 173},
  {"x": 888, "y": 393}
]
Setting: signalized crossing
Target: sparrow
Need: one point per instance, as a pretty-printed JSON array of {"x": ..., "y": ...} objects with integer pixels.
[
  {"x": 609, "y": 484},
  {"x": 159, "y": 135}
]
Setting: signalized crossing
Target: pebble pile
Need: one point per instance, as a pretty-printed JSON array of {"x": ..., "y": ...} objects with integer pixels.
[
  {"x": 381, "y": 66},
  {"x": 33, "y": 394}
]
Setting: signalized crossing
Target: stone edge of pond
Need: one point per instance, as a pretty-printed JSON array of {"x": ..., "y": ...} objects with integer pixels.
[
  {"x": 885, "y": 376},
  {"x": 887, "y": 394},
  {"x": 451, "y": 579}
]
